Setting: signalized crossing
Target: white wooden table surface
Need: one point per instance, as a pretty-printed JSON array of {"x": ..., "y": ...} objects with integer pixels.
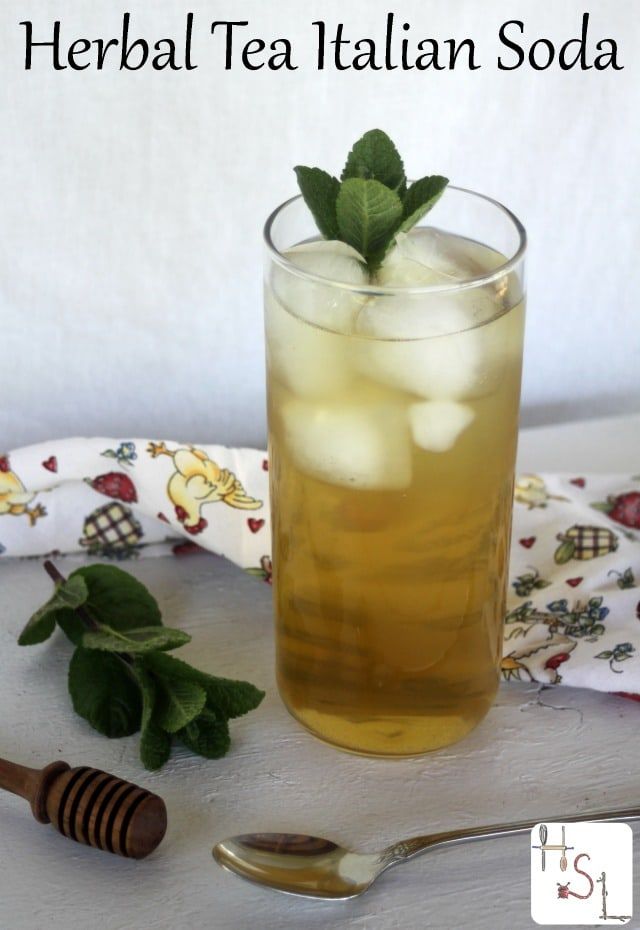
[{"x": 536, "y": 754}]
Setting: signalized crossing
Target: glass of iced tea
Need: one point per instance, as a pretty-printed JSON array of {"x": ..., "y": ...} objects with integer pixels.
[{"x": 393, "y": 415}]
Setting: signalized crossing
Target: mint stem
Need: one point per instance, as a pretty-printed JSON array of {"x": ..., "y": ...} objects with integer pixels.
[
  {"x": 84, "y": 615},
  {"x": 59, "y": 578}
]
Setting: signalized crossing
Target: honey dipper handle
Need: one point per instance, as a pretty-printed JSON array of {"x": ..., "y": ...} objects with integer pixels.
[
  {"x": 18, "y": 779},
  {"x": 31, "y": 784}
]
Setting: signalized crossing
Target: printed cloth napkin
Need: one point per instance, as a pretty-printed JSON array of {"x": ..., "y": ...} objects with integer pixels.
[{"x": 573, "y": 615}]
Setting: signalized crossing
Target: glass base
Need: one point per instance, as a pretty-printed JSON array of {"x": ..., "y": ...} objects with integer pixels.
[{"x": 387, "y": 738}]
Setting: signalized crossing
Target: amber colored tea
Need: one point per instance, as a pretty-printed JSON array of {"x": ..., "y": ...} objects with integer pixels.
[{"x": 392, "y": 462}]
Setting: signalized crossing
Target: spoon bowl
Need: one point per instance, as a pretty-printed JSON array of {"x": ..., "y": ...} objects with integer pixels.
[{"x": 298, "y": 864}]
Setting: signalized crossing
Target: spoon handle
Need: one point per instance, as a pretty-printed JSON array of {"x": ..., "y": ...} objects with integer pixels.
[{"x": 407, "y": 849}]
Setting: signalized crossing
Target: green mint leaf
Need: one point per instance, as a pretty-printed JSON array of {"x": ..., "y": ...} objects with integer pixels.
[
  {"x": 420, "y": 198},
  {"x": 143, "y": 639},
  {"x": 66, "y": 597},
  {"x": 155, "y": 746},
  {"x": 231, "y": 698},
  {"x": 206, "y": 735},
  {"x": 155, "y": 743},
  {"x": 368, "y": 216},
  {"x": 179, "y": 701},
  {"x": 104, "y": 692},
  {"x": 320, "y": 192},
  {"x": 375, "y": 157},
  {"x": 116, "y": 599},
  {"x": 228, "y": 697},
  {"x": 71, "y": 625}
]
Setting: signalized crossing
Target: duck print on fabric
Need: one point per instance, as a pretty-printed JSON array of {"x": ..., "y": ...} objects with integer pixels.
[{"x": 197, "y": 481}]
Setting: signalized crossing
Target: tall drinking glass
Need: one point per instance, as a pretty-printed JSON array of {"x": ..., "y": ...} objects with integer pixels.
[{"x": 393, "y": 416}]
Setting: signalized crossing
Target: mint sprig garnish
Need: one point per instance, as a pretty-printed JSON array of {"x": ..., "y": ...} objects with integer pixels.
[
  {"x": 421, "y": 196},
  {"x": 371, "y": 203},
  {"x": 375, "y": 157},
  {"x": 368, "y": 215},
  {"x": 320, "y": 192},
  {"x": 121, "y": 679}
]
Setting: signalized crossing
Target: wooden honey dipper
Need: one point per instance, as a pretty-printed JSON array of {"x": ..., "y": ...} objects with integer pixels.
[{"x": 90, "y": 806}]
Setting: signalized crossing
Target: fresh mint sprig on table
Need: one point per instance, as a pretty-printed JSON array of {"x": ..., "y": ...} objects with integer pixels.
[
  {"x": 371, "y": 203},
  {"x": 121, "y": 679}
]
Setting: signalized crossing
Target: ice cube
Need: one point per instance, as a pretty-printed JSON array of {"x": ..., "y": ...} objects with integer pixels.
[
  {"x": 306, "y": 321},
  {"x": 461, "y": 365},
  {"x": 413, "y": 261},
  {"x": 431, "y": 256},
  {"x": 364, "y": 446},
  {"x": 311, "y": 362},
  {"x": 324, "y": 305},
  {"x": 444, "y": 345},
  {"x": 437, "y": 424},
  {"x": 407, "y": 348}
]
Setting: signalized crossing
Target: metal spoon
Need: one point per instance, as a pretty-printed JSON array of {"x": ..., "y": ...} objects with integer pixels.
[{"x": 317, "y": 868}]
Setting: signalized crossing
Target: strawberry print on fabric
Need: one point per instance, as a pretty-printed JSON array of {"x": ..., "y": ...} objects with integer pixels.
[
  {"x": 623, "y": 509},
  {"x": 115, "y": 484}
]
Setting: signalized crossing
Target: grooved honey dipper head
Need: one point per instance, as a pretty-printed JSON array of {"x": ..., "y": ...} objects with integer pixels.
[{"x": 98, "y": 809}]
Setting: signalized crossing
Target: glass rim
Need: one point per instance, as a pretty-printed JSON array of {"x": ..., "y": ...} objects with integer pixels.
[{"x": 388, "y": 289}]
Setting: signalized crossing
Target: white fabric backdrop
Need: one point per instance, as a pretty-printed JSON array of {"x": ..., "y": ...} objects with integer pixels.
[{"x": 132, "y": 205}]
